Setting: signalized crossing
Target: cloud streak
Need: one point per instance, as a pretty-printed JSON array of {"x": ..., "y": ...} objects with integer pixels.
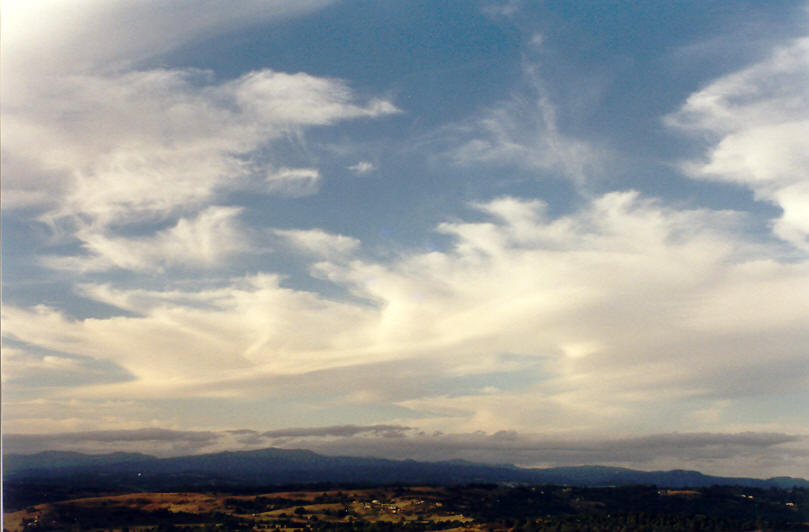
[
  {"x": 161, "y": 441},
  {"x": 362, "y": 167},
  {"x": 524, "y": 131},
  {"x": 203, "y": 241},
  {"x": 337, "y": 430}
]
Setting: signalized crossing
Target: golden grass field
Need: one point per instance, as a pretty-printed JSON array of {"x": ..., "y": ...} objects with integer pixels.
[{"x": 284, "y": 510}]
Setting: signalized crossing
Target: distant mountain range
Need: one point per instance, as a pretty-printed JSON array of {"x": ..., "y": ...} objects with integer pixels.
[{"x": 275, "y": 467}]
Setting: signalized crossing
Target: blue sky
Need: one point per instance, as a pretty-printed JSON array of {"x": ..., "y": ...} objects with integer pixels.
[{"x": 544, "y": 233}]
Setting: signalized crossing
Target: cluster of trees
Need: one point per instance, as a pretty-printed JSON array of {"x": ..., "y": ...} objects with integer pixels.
[
  {"x": 368, "y": 526},
  {"x": 646, "y": 508},
  {"x": 259, "y": 504},
  {"x": 70, "y": 516},
  {"x": 633, "y": 522}
]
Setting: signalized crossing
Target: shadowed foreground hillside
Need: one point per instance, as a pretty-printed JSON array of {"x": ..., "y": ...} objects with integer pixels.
[{"x": 474, "y": 507}]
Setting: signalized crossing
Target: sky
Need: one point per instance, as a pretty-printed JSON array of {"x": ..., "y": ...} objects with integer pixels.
[{"x": 540, "y": 233}]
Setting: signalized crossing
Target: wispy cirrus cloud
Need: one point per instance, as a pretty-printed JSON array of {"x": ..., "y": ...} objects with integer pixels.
[
  {"x": 337, "y": 430},
  {"x": 319, "y": 243},
  {"x": 524, "y": 131},
  {"x": 362, "y": 167},
  {"x": 24, "y": 369},
  {"x": 203, "y": 241},
  {"x": 293, "y": 182}
]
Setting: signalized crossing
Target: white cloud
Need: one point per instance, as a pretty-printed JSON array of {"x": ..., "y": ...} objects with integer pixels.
[
  {"x": 59, "y": 36},
  {"x": 503, "y": 9},
  {"x": 619, "y": 310},
  {"x": 145, "y": 144},
  {"x": 61, "y": 414},
  {"x": 99, "y": 145},
  {"x": 179, "y": 339},
  {"x": 362, "y": 167},
  {"x": 203, "y": 241},
  {"x": 294, "y": 182},
  {"x": 18, "y": 363},
  {"x": 25, "y": 371},
  {"x": 290, "y": 100},
  {"x": 80, "y": 118},
  {"x": 537, "y": 40},
  {"x": 320, "y": 243},
  {"x": 758, "y": 122}
]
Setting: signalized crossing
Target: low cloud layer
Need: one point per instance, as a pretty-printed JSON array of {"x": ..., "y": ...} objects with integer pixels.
[
  {"x": 718, "y": 453},
  {"x": 147, "y": 440},
  {"x": 340, "y": 430}
]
